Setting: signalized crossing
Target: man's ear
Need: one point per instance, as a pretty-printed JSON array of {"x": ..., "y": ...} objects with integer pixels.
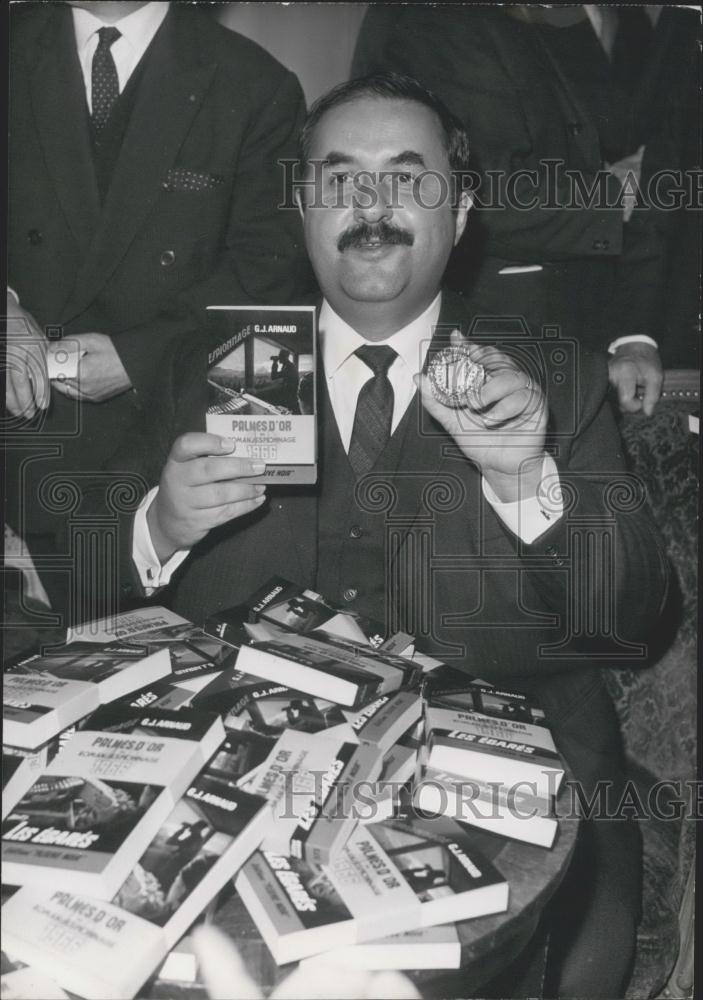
[
  {"x": 299, "y": 202},
  {"x": 466, "y": 200}
]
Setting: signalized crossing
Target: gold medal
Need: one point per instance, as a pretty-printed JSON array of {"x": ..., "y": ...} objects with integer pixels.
[{"x": 454, "y": 378}]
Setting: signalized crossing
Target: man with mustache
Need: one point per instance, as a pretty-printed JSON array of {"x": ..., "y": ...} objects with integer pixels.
[{"x": 447, "y": 520}]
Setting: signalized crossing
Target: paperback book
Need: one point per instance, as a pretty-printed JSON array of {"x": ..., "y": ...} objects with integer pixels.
[
  {"x": 250, "y": 704},
  {"x": 161, "y": 694},
  {"x": 46, "y": 693},
  {"x": 387, "y": 879},
  {"x": 261, "y": 387},
  {"x": 493, "y": 808},
  {"x": 309, "y": 783},
  {"x": 383, "y": 801},
  {"x": 115, "y": 947},
  {"x": 505, "y": 741},
  {"x": 19, "y": 772},
  {"x": 303, "y": 610},
  {"x": 237, "y": 760},
  {"x": 383, "y": 721},
  {"x": 193, "y": 652},
  {"x": 333, "y": 669},
  {"x": 478, "y": 696},
  {"x": 126, "y": 626},
  {"x": 86, "y": 819}
]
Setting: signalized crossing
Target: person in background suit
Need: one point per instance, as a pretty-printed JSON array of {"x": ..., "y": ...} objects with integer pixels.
[
  {"x": 568, "y": 85},
  {"x": 474, "y": 489},
  {"x": 144, "y": 185}
]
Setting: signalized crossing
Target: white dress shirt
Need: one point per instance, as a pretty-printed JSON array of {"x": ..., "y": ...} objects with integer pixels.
[
  {"x": 345, "y": 373},
  {"x": 136, "y": 33}
]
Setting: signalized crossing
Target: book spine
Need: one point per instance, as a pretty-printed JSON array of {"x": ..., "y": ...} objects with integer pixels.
[
  {"x": 510, "y": 749},
  {"x": 335, "y": 817}
]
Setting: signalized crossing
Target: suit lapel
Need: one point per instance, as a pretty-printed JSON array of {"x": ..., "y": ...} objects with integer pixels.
[
  {"x": 60, "y": 111},
  {"x": 170, "y": 95}
]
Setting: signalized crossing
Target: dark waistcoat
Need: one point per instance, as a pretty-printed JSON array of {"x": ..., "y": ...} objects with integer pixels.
[
  {"x": 351, "y": 541},
  {"x": 107, "y": 143}
]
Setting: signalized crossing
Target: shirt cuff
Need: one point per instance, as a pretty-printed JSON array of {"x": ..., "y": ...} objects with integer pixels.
[
  {"x": 152, "y": 575},
  {"x": 634, "y": 338},
  {"x": 532, "y": 516}
]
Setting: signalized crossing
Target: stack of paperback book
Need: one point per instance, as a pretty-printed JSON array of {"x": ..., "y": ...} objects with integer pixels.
[
  {"x": 288, "y": 745},
  {"x": 150, "y": 657},
  {"x": 489, "y": 760}
]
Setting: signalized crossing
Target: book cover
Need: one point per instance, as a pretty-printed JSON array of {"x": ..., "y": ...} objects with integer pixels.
[
  {"x": 512, "y": 814},
  {"x": 161, "y": 694},
  {"x": 48, "y": 692},
  {"x": 109, "y": 949},
  {"x": 303, "y": 610},
  {"x": 261, "y": 387},
  {"x": 19, "y": 772},
  {"x": 492, "y": 749},
  {"x": 238, "y": 758},
  {"x": 89, "y": 815},
  {"x": 193, "y": 652},
  {"x": 478, "y": 696},
  {"x": 387, "y": 879},
  {"x": 125, "y": 626},
  {"x": 251, "y": 704},
  {"x": 306, "y": 780}
]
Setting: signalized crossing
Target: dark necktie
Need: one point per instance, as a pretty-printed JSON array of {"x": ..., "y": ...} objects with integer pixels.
[
  {"x": 105, "y": 87},
  {"x": 374, "y": 410},
  {"x": 631, "y": 47}
]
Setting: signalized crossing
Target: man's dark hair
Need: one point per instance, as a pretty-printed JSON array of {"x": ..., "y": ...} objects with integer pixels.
[{"x": 394, "y": 86}]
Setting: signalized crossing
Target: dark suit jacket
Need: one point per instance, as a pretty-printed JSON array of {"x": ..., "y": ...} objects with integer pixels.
[
  {"x": 600, "y": 277},
  {"x": 142, "y": 270},
  {"x": 497, "y": 608}
]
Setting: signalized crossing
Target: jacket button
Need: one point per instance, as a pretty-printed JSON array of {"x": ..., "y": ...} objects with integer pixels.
[
  {"x": 601, "y": 244},
  {"x": 350, "y": 594},
  {"x": 34, "y": 237},
  {"x": 575, "y": 128},
  {"x": 168, "y": 258},
  {"x": 356, "y": 531},
  {"x": 552, "y": 550}
]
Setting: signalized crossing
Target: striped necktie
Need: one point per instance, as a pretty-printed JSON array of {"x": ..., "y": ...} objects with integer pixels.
[{"x": 374, "y": 410}]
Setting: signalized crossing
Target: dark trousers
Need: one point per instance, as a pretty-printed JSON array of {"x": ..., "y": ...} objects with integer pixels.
[{"x": 593, "y": 918}]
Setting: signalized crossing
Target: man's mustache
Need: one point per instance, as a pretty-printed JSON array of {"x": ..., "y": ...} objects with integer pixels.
[{"x": 374, "y": 232}]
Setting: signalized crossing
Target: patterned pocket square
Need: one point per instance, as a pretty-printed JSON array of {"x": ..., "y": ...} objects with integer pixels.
[{"x": 181, "y": 179}]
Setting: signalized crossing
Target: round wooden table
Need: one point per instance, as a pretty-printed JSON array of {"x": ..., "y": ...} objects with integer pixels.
[{"x": 489, "y": 944}]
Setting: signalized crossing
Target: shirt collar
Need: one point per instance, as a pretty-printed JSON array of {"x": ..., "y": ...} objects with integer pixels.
[
  {"x": 138, "y": 28},
  {"x": 338, "y": 340}
]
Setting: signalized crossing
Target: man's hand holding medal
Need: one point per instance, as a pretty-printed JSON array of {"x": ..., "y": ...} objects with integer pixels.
[{"x": 493, "y": 410}]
